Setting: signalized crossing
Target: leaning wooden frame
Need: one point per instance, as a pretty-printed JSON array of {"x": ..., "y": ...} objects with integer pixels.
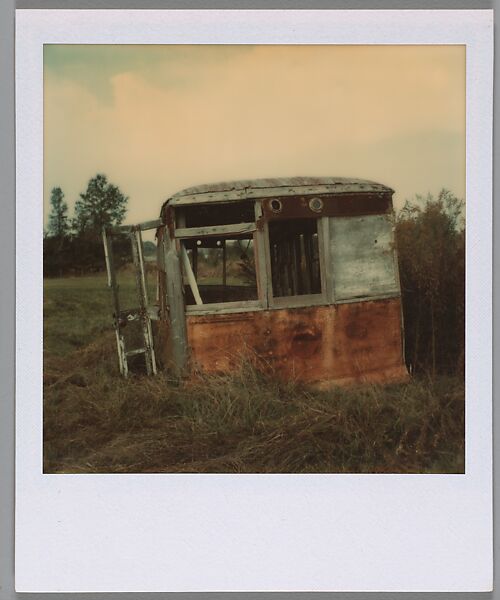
[{"x": 318, "y": 300}]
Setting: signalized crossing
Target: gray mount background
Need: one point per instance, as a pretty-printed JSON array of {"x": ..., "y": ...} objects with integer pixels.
[{"x": 7, "y": 266}]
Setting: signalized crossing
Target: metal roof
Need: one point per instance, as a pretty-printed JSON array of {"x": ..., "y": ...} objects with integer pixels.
[{"x": 281, "y": 186}]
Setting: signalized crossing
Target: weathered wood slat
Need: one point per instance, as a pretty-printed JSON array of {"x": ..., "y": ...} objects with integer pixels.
[
  {"x": 176, "y": 309},
  {"x": 224, "y": 307},
  {"x": 141, "y": 291},
  {"x": 373, "y": 297},
  {"x": 263, "y": 277},
  {"x": 136, "y": 351},
  {"x": 325, "y": 261},
  {"x": 299, "y": 301},
  {"x": 270, "y": 192},
  {"x": 140, "y": 226},
  {"x": 190, "y": 275},
  {"x": 224, "y": 268},
  {"x": 131, "y": 314},
  {"x": 215, "y": 230}
]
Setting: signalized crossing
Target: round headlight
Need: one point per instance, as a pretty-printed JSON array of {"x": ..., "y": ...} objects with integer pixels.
[
  {"x": 316, "y": 204},
  {"x": 276, "y": 205}
]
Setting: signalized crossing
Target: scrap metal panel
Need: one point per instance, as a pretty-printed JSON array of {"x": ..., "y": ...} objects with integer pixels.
[
  {"x": 318, "y": 345},
  {"x": 362, "y": 257}
]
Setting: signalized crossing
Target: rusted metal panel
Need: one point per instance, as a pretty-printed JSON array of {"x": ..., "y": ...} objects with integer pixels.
[
  {"x": 321, "y": 346},
  {"x": 362, "y": 256},
  {"x": 299, "y": 207}
]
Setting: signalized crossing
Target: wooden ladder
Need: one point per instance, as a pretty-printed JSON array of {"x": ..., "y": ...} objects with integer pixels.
[{"x": 144, "y": 313}]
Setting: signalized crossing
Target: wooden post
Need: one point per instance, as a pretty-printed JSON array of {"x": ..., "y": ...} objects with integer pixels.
[
  {"x": 306, "y": 282},
  {"x": 195, "y": 261},
  {"x": 224, "y": 265},
  {"x": 176, "y": 309},
  {"x": 261, "y": 256},
  {"x": 298, "y": 265},
  {"x": 308, "y": 245},
  {"x": 289, "y": 266}
]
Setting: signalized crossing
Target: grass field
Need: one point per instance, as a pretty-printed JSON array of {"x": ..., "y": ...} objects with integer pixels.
[{"x": 97, "y": 422}]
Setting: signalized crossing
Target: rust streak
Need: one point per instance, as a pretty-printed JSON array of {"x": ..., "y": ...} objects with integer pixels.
[{"x": 322, "y": 346}]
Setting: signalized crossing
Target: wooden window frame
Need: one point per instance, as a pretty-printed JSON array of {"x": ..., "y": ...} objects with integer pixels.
[
  {"x": 304, "y": 300},
  {"x": 262, "y": 255},
  {"x": 186, "y": 233}
]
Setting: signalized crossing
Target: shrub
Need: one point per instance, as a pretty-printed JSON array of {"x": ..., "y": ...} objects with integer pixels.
[{"x": 431, "y": 247}]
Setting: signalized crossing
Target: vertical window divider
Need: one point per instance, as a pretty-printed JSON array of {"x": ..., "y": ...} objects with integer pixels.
[
  {"x": 262, "y": 260},
  {"x": 326, "y": 268},
  {"x": 190, "y": 275}
]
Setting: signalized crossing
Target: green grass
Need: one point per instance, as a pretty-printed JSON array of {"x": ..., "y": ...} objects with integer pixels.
[
  {"x": 77, "y": 310},
  {"x": 97, "y": 422}
]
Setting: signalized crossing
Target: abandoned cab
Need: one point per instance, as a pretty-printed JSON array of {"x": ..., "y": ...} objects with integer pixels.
[{"x": 298, "y": 274}]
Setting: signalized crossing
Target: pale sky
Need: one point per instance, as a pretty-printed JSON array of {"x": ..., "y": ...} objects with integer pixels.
[{"x": 156, "y": 119}]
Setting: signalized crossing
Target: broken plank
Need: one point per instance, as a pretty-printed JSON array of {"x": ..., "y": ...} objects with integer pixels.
[{"x": 216, "y": 230}]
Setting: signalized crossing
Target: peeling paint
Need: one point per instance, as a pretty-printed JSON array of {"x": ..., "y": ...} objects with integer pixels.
[{"x": 328, "y": 310}]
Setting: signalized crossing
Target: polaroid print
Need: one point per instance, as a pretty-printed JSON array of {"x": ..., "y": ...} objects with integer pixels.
[
  {"x": 299, "y": 307},
  {"x": 252, "y": 250}
]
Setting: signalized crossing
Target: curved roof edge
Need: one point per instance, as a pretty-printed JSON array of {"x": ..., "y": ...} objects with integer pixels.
[{"x": 283, "y": 186}]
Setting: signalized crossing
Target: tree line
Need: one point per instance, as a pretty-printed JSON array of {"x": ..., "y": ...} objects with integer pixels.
[{"x": 74, "y": 245}]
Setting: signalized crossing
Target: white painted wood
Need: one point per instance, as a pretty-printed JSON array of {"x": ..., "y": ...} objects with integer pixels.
[
  {"x": 224, "y": 308},
  {"x": 214, "y": 230},
  {"x": 141, "y": 226},
  {"x": 106, "y": 256},
  {"x": 190, "y": 275}
]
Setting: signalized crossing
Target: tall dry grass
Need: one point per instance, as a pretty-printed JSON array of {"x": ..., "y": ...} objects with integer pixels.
[{"x": 96, "y": 422}]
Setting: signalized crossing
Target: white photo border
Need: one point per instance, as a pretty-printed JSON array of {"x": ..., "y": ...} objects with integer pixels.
[{"x": 171, "y": 532}]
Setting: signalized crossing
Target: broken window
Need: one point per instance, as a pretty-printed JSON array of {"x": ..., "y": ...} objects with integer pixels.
[
  {"x": 203, "y": 215},
  {"x": 295, "y": 259},
  {"x": 219, "y": 270}
]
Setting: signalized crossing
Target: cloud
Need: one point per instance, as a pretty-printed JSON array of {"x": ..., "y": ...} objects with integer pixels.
[{"x": 186, "y": 115}]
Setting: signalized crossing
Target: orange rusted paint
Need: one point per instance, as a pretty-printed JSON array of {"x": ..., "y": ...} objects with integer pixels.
[{"x": 321, "y": 346}]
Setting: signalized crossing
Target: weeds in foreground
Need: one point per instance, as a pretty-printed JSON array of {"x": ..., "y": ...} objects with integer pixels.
[{"x": 97, "y": 422}]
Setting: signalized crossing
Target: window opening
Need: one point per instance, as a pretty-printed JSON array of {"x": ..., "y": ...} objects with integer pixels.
[
  {"x": 218, "y": 270},
  {"x": 295, "y": 262},
  {"x": 226, "y": 213}
]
